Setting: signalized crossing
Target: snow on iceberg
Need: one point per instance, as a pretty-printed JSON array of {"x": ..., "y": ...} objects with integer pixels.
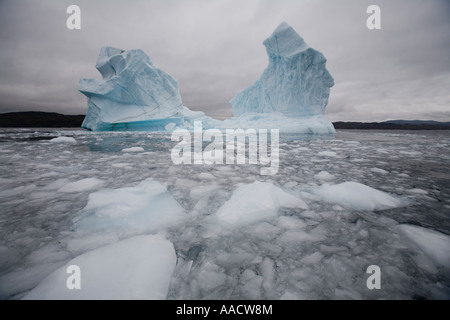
[
  {"x": 256, "y": 201},
  {"x": 133, "y": 95},
  {"x": 357, "y": 196},
  {"x": 276, "y": 120},
  {"x": 146, "y": 207},
  {"x": 435, "y": 245},
  {"x": 296, "y": 84},
  {"x": 136, "y": 268}
]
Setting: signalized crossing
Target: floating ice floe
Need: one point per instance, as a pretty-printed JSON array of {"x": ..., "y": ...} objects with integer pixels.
[
  {"x": 148, "y": 206},
  {"x": 324, "y": 176},
  {"x": 256, "y": 201},
  {"x": 63, "y": 140},
  {"x": 133, "y": 149},
  {"x": 435, "y": 245},
  {"x": 357, "y": 196},
  {"x": 136, "y": 268},
  {"x": 327, "y": 154},
  {"x": 380, "y": 171}
]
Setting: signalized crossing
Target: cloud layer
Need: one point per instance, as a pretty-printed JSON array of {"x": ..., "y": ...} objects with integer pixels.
[{"x": 214, "y": 48}]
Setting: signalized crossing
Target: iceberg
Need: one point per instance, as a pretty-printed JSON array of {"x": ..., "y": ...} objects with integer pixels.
[
  {"x": 133, "y": 94},
  {"x": 291, "y": 95},
  {"x": 294, "y": 88}
]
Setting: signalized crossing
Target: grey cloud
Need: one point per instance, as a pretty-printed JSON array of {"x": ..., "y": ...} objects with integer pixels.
[{"x": 214, "y": 48}]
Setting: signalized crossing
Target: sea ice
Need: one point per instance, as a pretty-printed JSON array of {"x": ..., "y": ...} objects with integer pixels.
[
  {"x": 417, "y": 191},
  {"x": 148, "y": 206},
  {"x": 291, "y": 223},
  {"x": 327, "y": 154},
  {"x": 133, "y": 149},
  {"x": 63, "y": 140},
  {"x": 267, "y": 269},
  {"x": 56, "y": 184},
  {"x": 293, "y": 236},
  {"x": 380, "y": 171},
  {"x": 22, "y": 280},
  {"x": 85, "y": 243},
  {"x": 324, "y": 176},
  {"x": 357, "y": 196},
  {"x": 435, "y": 245},
  {"x": 206, "y": 176},
  {"x": 136, "y": 268},
  {"x": 82, "y": 185},
  {"x": 198, "y": 192},
  {"x": 263, "y": 231},
  {"x": 211, "y": 279},
  {"x": 39, "y": 236},
  {"x": 256, "y": 201},
  {"x": 252, "y": 285},
  {"x": 312, "y": 258}
]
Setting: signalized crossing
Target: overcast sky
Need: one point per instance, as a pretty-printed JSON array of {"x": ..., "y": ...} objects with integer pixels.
[{"x": 214, "y": 49}]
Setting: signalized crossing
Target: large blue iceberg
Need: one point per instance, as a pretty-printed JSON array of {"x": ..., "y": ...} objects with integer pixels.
[
  {"x": 133, "y": 94},
  {"x": 291, "y": 94},
  {"x": 295, "y": 85}
]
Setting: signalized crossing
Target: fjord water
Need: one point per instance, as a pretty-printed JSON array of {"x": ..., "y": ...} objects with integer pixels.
[{"x": 317, "y": 249}]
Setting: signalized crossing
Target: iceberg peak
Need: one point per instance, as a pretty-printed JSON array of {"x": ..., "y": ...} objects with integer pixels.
[
  {"x": 284, "y": 42},
  {"x": 296, "y": 83},
  {"x": 110, "y": 62},
  {"x": 132, "y": 95}
]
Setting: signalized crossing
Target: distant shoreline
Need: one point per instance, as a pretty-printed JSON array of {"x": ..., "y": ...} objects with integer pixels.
[
  {"x": 39, "y": 119},
  {"x": 393, "y": 125}
]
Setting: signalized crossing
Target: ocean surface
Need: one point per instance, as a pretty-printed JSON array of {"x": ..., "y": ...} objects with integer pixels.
[{"x": 319, "y": 252}]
